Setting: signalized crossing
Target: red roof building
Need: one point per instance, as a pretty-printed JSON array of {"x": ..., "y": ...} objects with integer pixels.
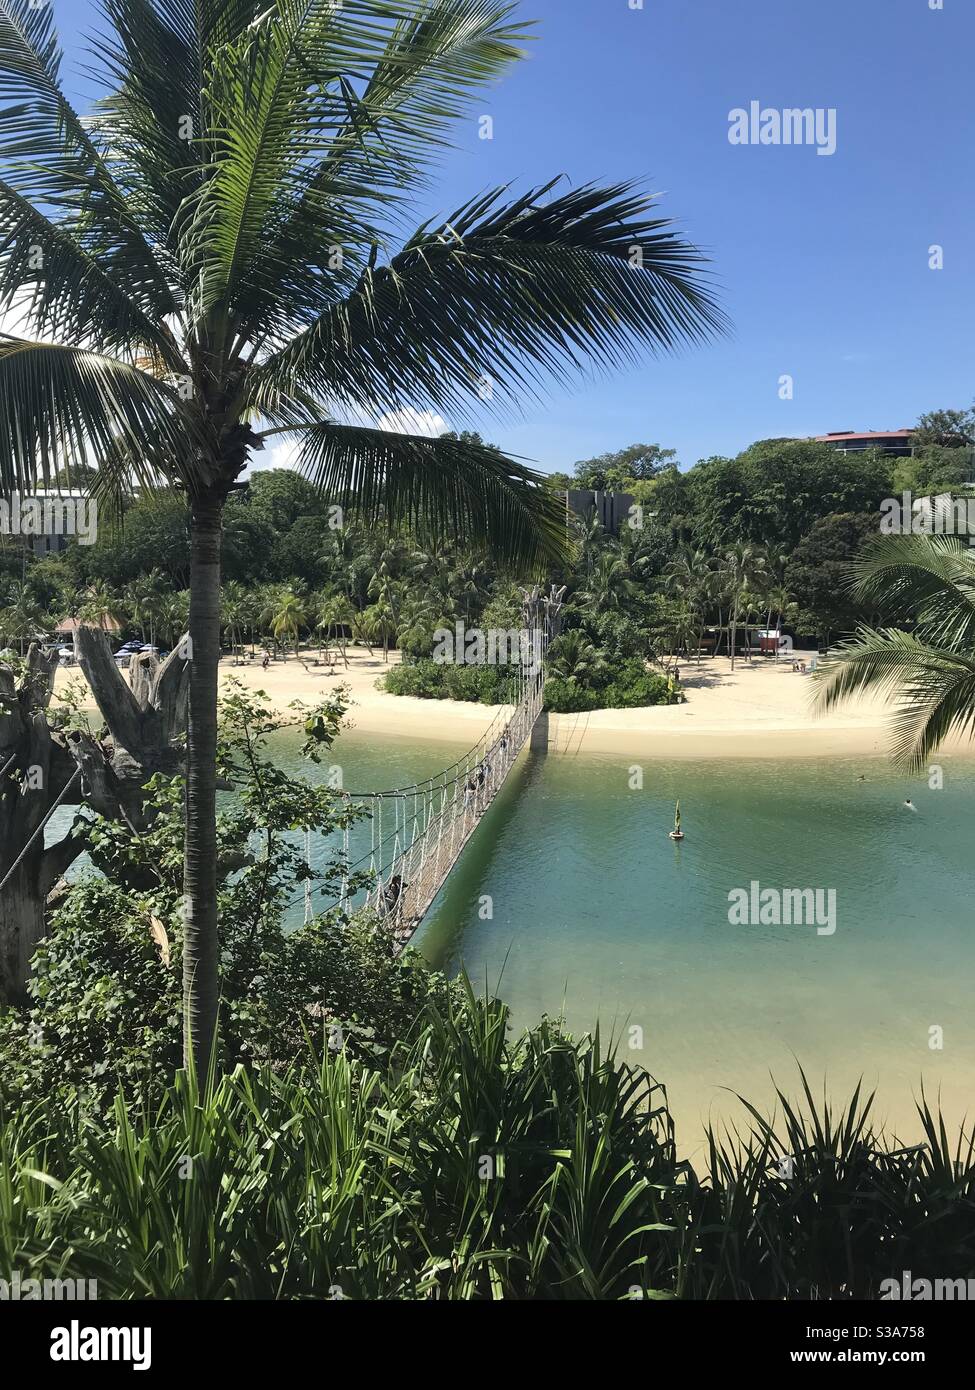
[{"x": 855, "y": 442}]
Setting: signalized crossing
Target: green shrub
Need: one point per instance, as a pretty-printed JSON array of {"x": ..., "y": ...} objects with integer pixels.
[
  {"x": 105, "y": 994},
  {"x": 471, "y": 1165},
  {"x": 632, "y": 686},
  {"x": 433, "y": 680},
  {"x": 565, "y": 695}
]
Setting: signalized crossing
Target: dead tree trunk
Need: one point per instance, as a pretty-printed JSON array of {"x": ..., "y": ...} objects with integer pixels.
[{"x": 44, "y": 768}]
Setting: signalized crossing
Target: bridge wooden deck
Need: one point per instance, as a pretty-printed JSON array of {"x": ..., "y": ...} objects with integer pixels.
[{"x": 405, "y": 892}]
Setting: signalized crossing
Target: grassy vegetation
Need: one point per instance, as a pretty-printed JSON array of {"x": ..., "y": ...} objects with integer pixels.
[{"x": 472, "y": 1166}]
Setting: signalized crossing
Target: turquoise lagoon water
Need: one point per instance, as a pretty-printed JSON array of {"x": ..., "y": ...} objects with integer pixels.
[
  {"x": 571, "y": 898},
  {"x": 596, "y": 913}
]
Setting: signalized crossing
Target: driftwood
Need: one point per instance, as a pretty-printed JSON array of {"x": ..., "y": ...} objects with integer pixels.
[{"x": 45, "y": 767}]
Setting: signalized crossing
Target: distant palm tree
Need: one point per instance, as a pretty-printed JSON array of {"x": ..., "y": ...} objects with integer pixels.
[
  {"x": 235, "y": 609},
  {"x": 375, "y": 626},
  {"x": 573, "y": 657},
  {"x": 608, "y": 582},
  {"x": 387, "y": 594},
  {"x": 741, "y": 564},
  {"x": 220, "y": 266},
  {"x": 141, "y": 599},
  {"x": 336, "y": 616},
  {"x": 690, "y": 579},
  {"x": 420, "y": 614},
  {"x": 173, "y": 616},
  {"x": 286, "y": 616},
  {"x": 23, "y": 619},
  {"x": 928, "y": 674},
  {"x": 778, "y": 600},
  {"x": 101, "y": 606}
]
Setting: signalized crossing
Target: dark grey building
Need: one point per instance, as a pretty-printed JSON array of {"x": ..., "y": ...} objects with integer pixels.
[{"x": 611, "y": 509}]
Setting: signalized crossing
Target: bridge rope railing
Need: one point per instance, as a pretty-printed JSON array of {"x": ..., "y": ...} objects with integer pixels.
[
  {"x": 408, "y": 884},
  {"x": 407, "y": 863}
]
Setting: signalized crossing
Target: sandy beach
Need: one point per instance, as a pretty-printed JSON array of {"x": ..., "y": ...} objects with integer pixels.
[{"x": 759, "y": 710}]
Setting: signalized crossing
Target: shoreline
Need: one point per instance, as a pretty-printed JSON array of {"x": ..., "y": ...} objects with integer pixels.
[{"x": 758, "y": 711}]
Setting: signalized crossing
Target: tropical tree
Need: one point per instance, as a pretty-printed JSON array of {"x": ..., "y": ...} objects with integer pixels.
[
  {"x": 235, "y": 612},
  {"x": 928, "y": 673},
  {"x": 23, "y": 618},
  {"x": 216, "y": 270},
  {"x": 141, "y": 599},
  {"x": 335, "y": 618},
  {"x": 376, "y": 625},
  {"x": 288, "y": 618},
  {"x": 689, "y": 579},
  {"x": 741, "y": 565},
  {"x": 608, "y": 583},
  {"x": 101, "y": 606},
  {"x": 573, "y": 657},
  {"x": 173, "y": 617}
]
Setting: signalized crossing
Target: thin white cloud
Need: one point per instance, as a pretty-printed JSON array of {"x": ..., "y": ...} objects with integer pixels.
[
  {"x": 279, "y": 453},
  {"x": 410, "y": 421}
]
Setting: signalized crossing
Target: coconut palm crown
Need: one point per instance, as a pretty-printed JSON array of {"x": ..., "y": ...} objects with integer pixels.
[
  {"x": 928, "y": 672},
  {"x": 221, "y": 251}
]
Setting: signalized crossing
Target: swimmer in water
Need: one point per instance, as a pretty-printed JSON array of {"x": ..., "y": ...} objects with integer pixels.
[{"x": 910, "y": 804}]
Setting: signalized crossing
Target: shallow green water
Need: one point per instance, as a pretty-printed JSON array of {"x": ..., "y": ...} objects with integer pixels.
[
  {"x": 594, "y": 910},
  {"x": 571, "y": 897}
]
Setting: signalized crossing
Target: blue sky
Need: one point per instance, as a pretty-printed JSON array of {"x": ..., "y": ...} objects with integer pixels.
[{"x": 822, "y": 262}]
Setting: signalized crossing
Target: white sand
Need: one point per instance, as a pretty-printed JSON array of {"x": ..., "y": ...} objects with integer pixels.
[{"x": 758, "y": 710}]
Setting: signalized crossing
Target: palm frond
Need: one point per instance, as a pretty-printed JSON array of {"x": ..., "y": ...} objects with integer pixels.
[
  {"x": 48, "y": 157},
  {"x": 931, "y": 688},
  {"x": 468, "y": 491},
  {"x": 434, "y": 56},
  {"x": 62, "y": 290},
  {"x": 274, "y": 107},
  {"x": 928, "y": 579},
  {"x": 505, "y": 294},
  {"x": 60, "y": 405}
]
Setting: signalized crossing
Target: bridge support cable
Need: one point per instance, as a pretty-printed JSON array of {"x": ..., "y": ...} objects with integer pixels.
[{"x": 407, "y": 867}]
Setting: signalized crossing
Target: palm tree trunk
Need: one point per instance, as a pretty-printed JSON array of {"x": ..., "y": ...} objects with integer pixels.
[
  {"x": 734, "y": 633},
  {"x": 200, "y": 943}
]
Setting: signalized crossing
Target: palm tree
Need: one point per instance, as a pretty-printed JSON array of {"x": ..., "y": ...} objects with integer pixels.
[
  {"x": 288, "y": 618},
  {"x": 23, "y": 619},
  {"x": 217, "y": 270},
  {"x": 689, "y": 578},
  {"x": 574, "y": 658},
  {"x": 140, "y": 601},
  {"x": 374, "y": 625},
  {"x": 742, "y": 562},
  {"x": 101, "y": 606},
  {"x": 778, "y": 600},
  {"x": 235, "y": 607},
  {"x": 386, "y": 592},
  {"x": 172, "y": 617},
  {"x": 608, "y": 583},
  {"x": 927, "y": 673}
]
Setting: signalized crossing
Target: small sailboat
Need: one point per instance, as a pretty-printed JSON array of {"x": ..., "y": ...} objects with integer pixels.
[{"x": 677, "y": 833}]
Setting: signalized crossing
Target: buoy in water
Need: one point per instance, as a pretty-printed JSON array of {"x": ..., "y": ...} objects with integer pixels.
[{"x": 676, "y": 835}]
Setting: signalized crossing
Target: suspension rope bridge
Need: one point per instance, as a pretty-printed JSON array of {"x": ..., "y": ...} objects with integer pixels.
[{"x": 408, "y": 862}]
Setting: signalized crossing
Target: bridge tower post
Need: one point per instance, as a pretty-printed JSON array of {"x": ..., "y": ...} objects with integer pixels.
[{"x": 539, "y": 735}]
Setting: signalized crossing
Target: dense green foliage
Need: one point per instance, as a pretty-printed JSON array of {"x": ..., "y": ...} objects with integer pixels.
[
  {"x": 768, "y": 537},
  {"x": 470, "y": 1165},
  {"x": 299, "y": 574},
  {"x": 923, "y": 658},
  {"x": 105, "y": 995}
]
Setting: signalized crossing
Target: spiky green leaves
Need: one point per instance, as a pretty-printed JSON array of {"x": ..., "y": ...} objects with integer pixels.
[
  {"x": 499, "y": 297},
  {"x": 61, "y": 404},
  {"x": 928, "y": 675},
  {"x": 444, "y": 486}
]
